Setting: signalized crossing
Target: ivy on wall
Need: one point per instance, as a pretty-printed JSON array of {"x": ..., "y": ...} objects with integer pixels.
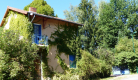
[
  {"x": 47, "y": 71},
  {"x": 19, "y": 23},
  {"x": 1, "y": 30},
  {"x": 62, "y": 63},
  {"x": 65, "y": 38}
]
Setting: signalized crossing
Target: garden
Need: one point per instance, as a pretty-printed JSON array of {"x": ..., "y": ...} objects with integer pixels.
[{"x": 107, "y": 39}]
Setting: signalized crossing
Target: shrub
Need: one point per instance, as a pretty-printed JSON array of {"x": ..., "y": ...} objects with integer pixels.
[
  {"x": 127, "y": 58},
  {"x": 105, "y": 69},
  {"x": 16, "y": 57},
  {"x": 106, "y": 60},
  {"x": 67, "y": 76},
  {"x": 125, "y": 44},
  {"x": 88, "y": 66},
  {"x": 105, "y": 55}
]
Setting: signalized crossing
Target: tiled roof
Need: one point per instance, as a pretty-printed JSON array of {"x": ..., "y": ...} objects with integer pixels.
[{"x": 26, "y": 12}]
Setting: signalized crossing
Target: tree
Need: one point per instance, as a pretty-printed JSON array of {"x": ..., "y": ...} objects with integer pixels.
[
  {"x": 124, "y": 53},
  {"x": 117, "y": 18},
  {"x": 42, "y": 7},
  {"x": 127, "y": 58},
  {"x": 73, "y": 14},
  {"x": 17, "y": 57},
  {"x": 125, "y": 44},
  {"x": 107, "y": 29},
  {"x": 85, "y": 13}
]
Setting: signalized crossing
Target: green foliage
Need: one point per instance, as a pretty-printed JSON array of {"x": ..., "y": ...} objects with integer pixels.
[
  {"x": 115, "y": 17},
  {"x": 42, "y": 7},
  {"x": 86, "y": 14},
  {"x": 93, "y": 67},
  {"x": 16, "y": 56},
  {"x": 106, "y": 58},
  {"x": 62, "y": 63},
  {"x": 125, "y": 44},
  {"x": 20, "y": 24},
  {"x": 104, "y": 55},
  {"x": 47, "y": 71},
  {"x": 125, "y": 54},
  {"x": 64, "y": 38},
  {"x": 88, "y": 66},
  {"x": 67, "y": 76},
  {"x": 73, "y": 14},
  {"x": 127, "y": 58},
  {"x": 1, "y": 30},
  {"x": 106, "y": 69},
  {"x": 107, "y": 29}
]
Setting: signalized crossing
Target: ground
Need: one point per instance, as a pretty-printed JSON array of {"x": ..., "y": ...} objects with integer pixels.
[{"x": 123, "y": 77}]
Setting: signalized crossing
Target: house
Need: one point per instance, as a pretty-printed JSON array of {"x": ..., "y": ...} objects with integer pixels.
[{"x": 43, "y": 25}]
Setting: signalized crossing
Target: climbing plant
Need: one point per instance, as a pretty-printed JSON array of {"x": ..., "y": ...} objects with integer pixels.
[
  {"x": 65, "y": 38},
  {"x": 61, "y": 62},
  {"x": 47, "y": 71},
  {"x": 17, "y": 55},
  {"x": 19, "y": 23},
  {"x": 1, "y": 30}
]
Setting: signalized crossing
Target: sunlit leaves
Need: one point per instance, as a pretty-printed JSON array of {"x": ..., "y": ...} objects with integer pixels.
[
  {"x": 16, "y": 56},
  {"x": 42, "y": 7}
]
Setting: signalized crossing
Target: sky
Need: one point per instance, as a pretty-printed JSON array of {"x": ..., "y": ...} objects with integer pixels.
[{"x": 59, "y": 6}]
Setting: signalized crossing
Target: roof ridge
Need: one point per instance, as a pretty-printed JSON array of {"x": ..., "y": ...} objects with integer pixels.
[{"x": 26, "y": 12}]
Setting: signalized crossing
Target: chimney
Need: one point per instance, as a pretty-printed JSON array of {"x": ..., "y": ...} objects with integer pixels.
[{"x": 31, "y": 9}]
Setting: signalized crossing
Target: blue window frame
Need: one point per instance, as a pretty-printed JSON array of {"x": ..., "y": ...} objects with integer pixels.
[
  {"x": 72, "y": 61},
  {"x": 37, "y": 33}
]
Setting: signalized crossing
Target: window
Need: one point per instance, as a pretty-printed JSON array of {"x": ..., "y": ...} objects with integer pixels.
[{"x": 72, "y": 61}]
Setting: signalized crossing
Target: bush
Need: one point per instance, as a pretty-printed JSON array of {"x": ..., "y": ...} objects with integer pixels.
[
  {"x": 67, "y": 76},
  {"x": 106, "y": 69},
  {"x": 106, "y": 58},
  {"x": 88, "y": 66},
  {"x": 104, "y": 55},
  {"x": 16, "y": 57},
  {"x": 125, "y": 44},
  {"x": 127, "y": 58}
]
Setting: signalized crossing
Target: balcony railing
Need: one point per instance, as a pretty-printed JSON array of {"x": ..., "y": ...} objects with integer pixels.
[{"x": 40, "y": 40}]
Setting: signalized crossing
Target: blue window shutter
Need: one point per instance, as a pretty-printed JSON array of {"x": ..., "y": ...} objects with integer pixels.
[
  {"x": 37, "y": 33},
  {"x": 72, "y": 61},
  {"x": 39, "y": 30}
]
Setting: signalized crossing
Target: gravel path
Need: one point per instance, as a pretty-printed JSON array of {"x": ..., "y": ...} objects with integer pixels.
[
  {"x": 126, "y": 77},
  {"x": 131, "y": 77}
]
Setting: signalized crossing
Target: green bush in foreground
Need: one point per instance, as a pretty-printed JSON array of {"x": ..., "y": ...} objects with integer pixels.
[
  {"x": 127, "y": 58},
  {"x": 67, "y": 76},
  {"x": 88, "y": 67},
  {"x": 16, "y": 57}
]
